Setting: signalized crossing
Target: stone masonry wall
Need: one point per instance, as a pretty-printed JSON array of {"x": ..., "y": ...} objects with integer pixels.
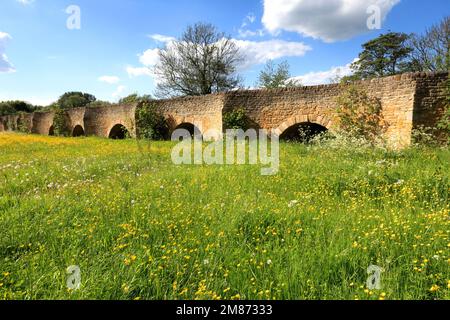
[
  {"x": 42, "y": 122},
  {"x": 100, "y": 121},
  {"x": 8, "y": 123},
  {"x": 25, "y": 122},
  {"x": 205, "y": 111},
  {"x": 408, "y": 101},
  {"x": 429, "y": 101},
  {"x": 401, "y": 96},
  {"x": 75, "y": 118}
]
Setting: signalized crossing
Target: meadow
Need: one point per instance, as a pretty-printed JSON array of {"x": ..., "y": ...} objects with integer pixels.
[{"x": 140, "y": 227}]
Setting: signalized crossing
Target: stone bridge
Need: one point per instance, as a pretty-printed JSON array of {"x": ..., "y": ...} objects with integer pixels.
[{"x": 408, "y": 101}]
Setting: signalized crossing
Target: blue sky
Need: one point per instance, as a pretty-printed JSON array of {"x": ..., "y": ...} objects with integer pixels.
[{"x": 111, "y": 55}]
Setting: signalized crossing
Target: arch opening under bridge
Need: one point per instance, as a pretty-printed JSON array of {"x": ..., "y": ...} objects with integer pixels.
[{"x": 119, "y": 132}]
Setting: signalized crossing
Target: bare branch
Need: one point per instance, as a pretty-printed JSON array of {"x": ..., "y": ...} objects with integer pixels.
[{"x": 202, "y": 61}]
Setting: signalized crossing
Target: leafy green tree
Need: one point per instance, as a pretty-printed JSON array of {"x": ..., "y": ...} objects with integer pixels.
[
  {"x": 14, "y": 107},
  {"x": 60, "y": 122},
  {"x": 384, "y": 56},
  {"x": 99, "y": 104},
  {"x": 150, "y": 123},
  {"x": 236, "y": 119},
  {"x": 135, "y": 98},
  {"x": 347, "y": 79},
  {"x": 71, "y": 100},
  {"x": 275, "y": 76},
  {"x": 6, "y": 108},
  {"x": 360, "y": 115}
]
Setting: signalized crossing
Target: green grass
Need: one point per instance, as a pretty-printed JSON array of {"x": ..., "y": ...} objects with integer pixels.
[{"x": 141, "y": 228}]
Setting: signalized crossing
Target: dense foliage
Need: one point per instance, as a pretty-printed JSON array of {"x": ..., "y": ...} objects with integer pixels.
[
  {"x": 235, "y": 119},
  {"x": 150, "y": 123},
  {"x": 360, "y": 115},
  {"x": 395, "y": 52},
  {"x": 386, "y": 55},
  {"x": 60, "y": 122},
  {"x": 14, "y": 107},
  {"x": 135, "y": 98},
  {"x": 276, "y": 76},
  {"x": 70, "y": 100}
]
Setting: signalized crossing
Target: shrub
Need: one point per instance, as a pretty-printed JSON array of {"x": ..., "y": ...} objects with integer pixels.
[
  {"x": 71, "y": 100},
  {"x": 135, "y": 98},
  {"x": 425, "y": 136},
  {"x": 21, "y": 124},
  {"x": 235, "y": 119},
  {"x": 150, "y": 123},
  {"x": 59, "y": 123},
  {"x": 360, "y": 115},
  {"x": 99, "y": 104},
  {"x": 11, "y": 124},
  {"x": 342, "y": 142}
]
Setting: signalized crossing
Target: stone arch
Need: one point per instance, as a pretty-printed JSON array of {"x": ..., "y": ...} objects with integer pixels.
[
  {"x": 303, "y": 128},
  {"x": 118, "y": 132},
  {"x": 51, "y": 130},
  {"x": 303, "y": 132},
  {"x": 78, "y": 131},
  {"x": 190, "y": 127}
]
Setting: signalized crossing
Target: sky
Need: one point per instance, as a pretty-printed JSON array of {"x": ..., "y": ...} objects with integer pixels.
[{"x": 108, "y": 47}]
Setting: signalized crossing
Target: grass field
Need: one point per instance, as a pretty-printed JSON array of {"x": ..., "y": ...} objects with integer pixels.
[{"x": 141, "y": 228}]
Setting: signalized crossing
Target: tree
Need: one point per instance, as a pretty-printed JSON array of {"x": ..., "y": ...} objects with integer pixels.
[
  {"x": 150, "y": 122},
  {"x": 384, "y": 56},
  {"x": 360, "y": 115},
  {"x": 99, "y": 104},
  {"x": 13, "y": 107},
  {"x": 60, "y": 121},
  {"x": 431, "y": 51},
  {"x": 236, "y": 119},
  {"x": 71, "y": 100},
  {"x": 202, "y": 61},
  {"x": 6, "y": 108},
  {"x": 275, "y": 76},
  {"x": 135, "y": 98}
]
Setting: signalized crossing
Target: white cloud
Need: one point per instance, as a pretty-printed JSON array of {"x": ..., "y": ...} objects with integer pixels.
[
  {"x": 4, "y": 35},
  {"x": 119, "y": 91},
  {"x": 329, "y": 20},
  {"x": 150, "y": 57},
  {"x": 34, "y": 100},
  {"x": 41, "y": 101},
  {"x": 161, "y": 38},
  {"x": 259, "y": 52},
  {"x": 5, "y": 65},
  {"x": 324, "y": 77},
  {"x": 109, "y": 79},
  {"x": 255, "y": 53},
  {"x": 25, "y": 2},
  {"x": 138, "y": 71},
  {"x": 243, "y": 33}
]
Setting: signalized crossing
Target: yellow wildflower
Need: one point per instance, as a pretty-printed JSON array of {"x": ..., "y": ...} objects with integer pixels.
[{"x": 434, "y": 288}]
